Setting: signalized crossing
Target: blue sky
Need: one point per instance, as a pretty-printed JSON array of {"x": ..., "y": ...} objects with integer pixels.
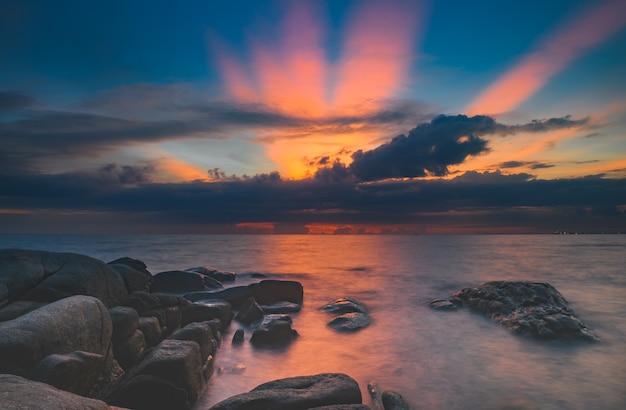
[{"x": 311, "y": 95}]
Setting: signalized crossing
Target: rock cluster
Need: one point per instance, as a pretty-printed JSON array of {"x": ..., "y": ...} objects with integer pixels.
[
  {"x": 525, "y": 308},
  {"x": 352, "y": 314}
]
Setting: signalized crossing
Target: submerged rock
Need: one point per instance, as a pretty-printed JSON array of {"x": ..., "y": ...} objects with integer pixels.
[
  {"x": 345, "y": 305},
  {"x": 274, "y": 330},
  {"x": 394, "y": 401},
  {"x": 349, "y": 322},
  {"x": 443, "y": 305},
  {"x": 294, "y": 393},
  {"x": 526, "y": 308}
]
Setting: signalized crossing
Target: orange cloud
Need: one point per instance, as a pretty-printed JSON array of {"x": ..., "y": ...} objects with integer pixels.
[
  {"x": 296, "y": 79},
  {"x": 555, "y": 53}
]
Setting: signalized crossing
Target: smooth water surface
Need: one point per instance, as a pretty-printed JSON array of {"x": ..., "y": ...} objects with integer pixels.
[{"x": 436, "y": 360}]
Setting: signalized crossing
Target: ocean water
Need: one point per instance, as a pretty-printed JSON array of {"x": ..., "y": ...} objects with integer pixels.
[{"x": 436, "y": 360}]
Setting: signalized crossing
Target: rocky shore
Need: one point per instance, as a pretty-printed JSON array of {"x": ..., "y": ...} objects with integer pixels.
[{"x": 79, "y": 333}]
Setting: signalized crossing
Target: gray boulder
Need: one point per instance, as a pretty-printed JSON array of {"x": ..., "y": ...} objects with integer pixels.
[
  {"x": 76, "y": 372},
  {"x": 526, "y": 308},
  {"x": 201, "y": 333},
  {"x": 71, "y": 324},
  {"x": 130, "y": 351},
  {"x": 136, "y": 281},
  {"x": 349, "y": 322},
  {"x": 297, "y": 393},
  {"x": 17, "y": 393},
  {"x": 394, "y": 401},
  {"x": 125, "y": 321},
  {"x": 207, "y": 310},
  {"x": 147, "y": 392},
  {"x": 41, "y": 276},
  {"x": 18, "y": 308}
]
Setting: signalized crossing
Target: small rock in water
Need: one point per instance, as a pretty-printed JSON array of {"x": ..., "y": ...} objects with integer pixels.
[
  {"x": 349, "y": 322},
  {"x": 238, "y": 337},
  {"x": 443, "y": 305},
  {"x": 345, "y": 305},
  {"x": 394, "y": 401}
]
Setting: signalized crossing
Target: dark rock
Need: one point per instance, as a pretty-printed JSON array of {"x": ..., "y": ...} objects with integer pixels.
[
  {"x": 182, "y": 281},
  {"x": 75, "y": 372},
  {"x": 136, "y": 264},
  {"x": 207, "y": 310},
  {"x": 281, "y": 307},
  {"x": 273, "y": 331},
  {"x": 345, "y": 305},
  {"x": 250, "y": 312},
  {"x": 238, "y": 337},
  {"x": 130, "y": 351},
  {"x": 159, "y": 314},
  {"x": 147, "y": 392},
  {"x": 19, "y": 393},
  {"x": 266, "y": 292},
  {"x": 142, "y": 301},
  {"x": 71, "y": 324},
  {"x": 18, "y": 308},
  {"x": 342, "y": 407},
  {"x": 526, "y": 308},
  {"x": 442, "y": 305},
  {"x": 349, "y": 322},
  {"x": 394, "y": 401},
  {"x": 297, "y": 393},
  {"x": 257, "y": 275},
  {"x": 125, "y": 321},
  {"x": 149, "y": 326},
  {"x": 201, "y": 333},
  {"x": 41, "y": 276},
  {"x": 222, "y": 276},
  {"x": 136, "y": 281}
]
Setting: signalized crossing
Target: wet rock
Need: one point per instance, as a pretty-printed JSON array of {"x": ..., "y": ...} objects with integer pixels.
[
  {"x": 345, "y": 305},
  {"x": 151, "y": 329},
  {"x": 130, "y": 351},
  {"x": 135, "y": 280},
  {"x": 74, "y": 372},
  {"x": 71, "y": 324},
  {"x": 136, "y": 264},
  {"x": 281, "y": 307},
  {"x": 182, "y": 281},
  {"x": 295, "y": 393},
  {"x": 526, "y": 308},
  {"x": 125, "y": 321},
  {"x": 250, "y": 312},
  {"x": 394, "y": 401},
  {"x": 442, "y": 305},
  {"x": 201, "y": 333},
  {"x": 147, "y": 392},
  {"x": 273, "y": 331},
  {"x": 238, "y": 337},
  {"x": 207, "y": 310},
  {"x": 342, "y": 407},
  {"x": 222, "y": 276},
  {"x": 349, "y": 322},
  {"x": 266, "y": 292},
  {"x": 41, "y": 276},
  {"x": 19, "y": 393}
]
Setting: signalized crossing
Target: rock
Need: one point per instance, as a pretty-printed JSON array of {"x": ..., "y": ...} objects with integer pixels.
[
  {"x": 345, "y": 305},
  {"x": 250, "y": 312},
  {"x": 266, "y": 292},
  {"x": 135, "y": 281},
  {"x": 142, "y": 301},
  {"x": 222, "y": 276},
  {"x": 149, "y": 326},
  {"x": 238, "y": 337},
  {"x": 136, "y": 264},
  {"x": 76, "y": 372},
  {"x": 182, "y": 281},
  {"x": 349, "y": 322},
  {"x": 18, "y": 308},
  {"x": 394, "y": 401},
  {"x": 342, "y": 407},
  {"x": 146, "y": 392},
  {"x": 281, "y": 307},
  {"x": 207, "y": 310},
  {"x": 201, "y": 333},
  {"x": 526, "y": 308},
  {"x": 19, "y": 393},
  {"x": 442, "y": 305},
  {"x": 125, "y": 321},
  {"x": 41, "y": 276},
  {"x": 71, "y": 324},
  {"x": 273, "y": 331},
  {"x": 130, "y": 351},
  {"x": 296, "y": 393}
]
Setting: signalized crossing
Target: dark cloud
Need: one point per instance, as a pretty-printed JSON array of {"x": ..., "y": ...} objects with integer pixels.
[
  {"x": 428, "y": 149},
  {"x": 14, "y": 101},
  {"x": 530, "y": 164},
  {"x": 537, "y": 126}
]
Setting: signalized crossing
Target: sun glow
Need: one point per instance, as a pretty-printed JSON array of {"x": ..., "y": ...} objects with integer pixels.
[{"x": 297, "y": 80}]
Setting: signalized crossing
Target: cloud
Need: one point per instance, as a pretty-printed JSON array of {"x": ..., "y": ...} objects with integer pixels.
[
  {"x": 10, "y": 100},
  {"x": 530, "y": 164}
]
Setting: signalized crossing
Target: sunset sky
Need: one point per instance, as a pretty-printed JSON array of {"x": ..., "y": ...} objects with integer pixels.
[{"x": 333, "y": 116}]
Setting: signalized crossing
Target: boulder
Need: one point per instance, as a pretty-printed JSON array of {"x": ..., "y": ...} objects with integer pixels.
[
  {"x": 207, "y": 310},
  {"x": 526, "y": 308},
  {"x": 345, "y": 305},
  {"x": 18, "y": 308},
  {"x": 281, "y": 307},
  {"x": 136, "y": 264},
  {"x": 266, "y": 292},
  {"x": 349, "y": 322},
  {"x": 76, "y": 372},
  {"x": 135, "y": 281},
  {"x": 297, "y": 393},
  {"x": 342, "y": 407},
  {"x": 201, "y": 333},
  {"x": 182, "y": 281},
  {"x": 250, "y": 312},
  {"x": 149, "y": 326},
  {"x": 394, "y": 401},
  {"x": 147, "y": 392},
  {"x": 77, "y": 323},
  {"x": 19, "y": 393},
  {"x": 142, "y": 301},
  {"x": 238, "y": 337},
  {"x": 222, "y": 276},
  {"x": 130, "y": 351},
  {"x": 273, "y": 331},
  {"x": 41, "y": 276},
  {"x": 125, "y": 321}
]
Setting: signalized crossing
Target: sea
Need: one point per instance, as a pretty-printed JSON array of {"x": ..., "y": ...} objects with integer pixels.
[{"x": 435, "y": 360}]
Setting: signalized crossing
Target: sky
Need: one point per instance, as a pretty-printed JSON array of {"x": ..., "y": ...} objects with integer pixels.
[{"x": 312, "y": 116}]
